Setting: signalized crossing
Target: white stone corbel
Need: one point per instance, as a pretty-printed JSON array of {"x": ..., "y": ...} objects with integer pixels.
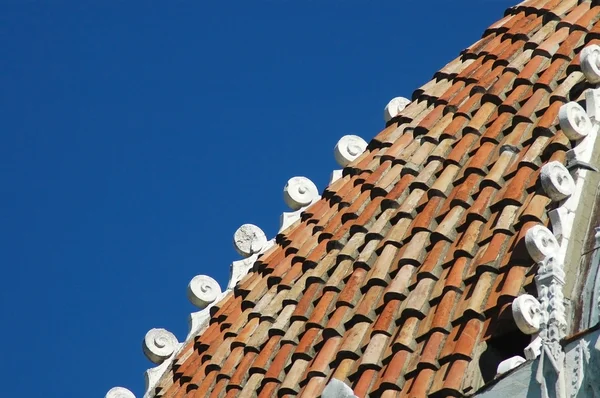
[
  {"x": 160, "y": 347},
  {"x": 527, "y": 314},
  {"x": 590, "y": 63},
  {"x": 540, "y": 243},
  {"x": 337, "y": 389},
  {"x": 509, "y": 364},
  {"x": 557, "y": 181},
  {"x": 347, "y": 149},
  {"x": 298, "y": 194},
  {"x": 394, "y": 107},
  {"x": 119, "y": 392},
  {"x": 574, "y": 121}
]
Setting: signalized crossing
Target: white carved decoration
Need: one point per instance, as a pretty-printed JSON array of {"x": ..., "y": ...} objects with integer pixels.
[
  {"x": 337, "y": 389},
  {"x": 574, "y": 121},
  {"x": 527, "y": 313},
  {"x": 590, "y": 63},
  {"x": 335, "y": 175},
  {"x": 203, "y": 290},
  {"x": 509, "y": 364},
  {"x": 249, "y": 239},
  {"x": 300, "y": 192},
  {"x": 578, "y": 366},
  {"x": 557, "y": 181},
  {"x": 540, "y": 243},
  {"x": 561, "y": 227},
  {"x": 534, "y": 349},
  {"x": 348, "y": 148},
  {"x": 159, "y": 344},
  {"x": 119, "y": 392},
  {"x": 592, "y": 104},
  {"x": 394, "y": 107}
]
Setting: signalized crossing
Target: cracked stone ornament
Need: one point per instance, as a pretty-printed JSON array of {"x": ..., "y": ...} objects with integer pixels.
[
  {"x": 574, "y": 121},
  {"x": 299, "y": 192},
  {"x": 203, "y": 291},
  {"x": 394, "y": 107},
  {"x": 540, "y": 243},
  {"x": 159, "y": 344},
  {"x": 119, "y": 392},
  {"x": 527, "y": 313},
  {"x": 557, "y": 181},
  {"x": 590, "y": 63},
  {"x": 249, "y": 239},
  {"x": 348, "y": 148}
]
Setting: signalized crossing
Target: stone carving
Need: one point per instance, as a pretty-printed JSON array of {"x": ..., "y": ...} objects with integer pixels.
[
  {"x": 590, "y": 63},
  {"x": 527, "y": 313},
  {"x": 348, "y": 148},
  {"x": 203, "y": 290},
  {"x": 337, "y": 389},
  {"x": 574, "y": 121},
  {"x": 159, "y": 344},
  {"x": 249, "y": 239},
  {"x": 592, "y": 103},
  {"x": 557, "y": 181},
  {"x": 509, "y": 364},
  {"x": 300, "y": 192},
  {"x": 119, "y": 392},
  {"x": 394, "y": 107},
  {"x": 540, "y": 243},
  {"x": 581, "y": 360}
]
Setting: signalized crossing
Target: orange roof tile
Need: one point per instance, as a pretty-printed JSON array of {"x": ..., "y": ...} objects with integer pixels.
[{"x": 395, "y": 277}]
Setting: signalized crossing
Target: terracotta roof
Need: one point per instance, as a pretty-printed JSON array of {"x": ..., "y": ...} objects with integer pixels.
[{"x": 395, "y": 278}]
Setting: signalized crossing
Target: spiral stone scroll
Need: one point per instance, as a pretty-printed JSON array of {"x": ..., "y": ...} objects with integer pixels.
[
  {"x": 203, "y": 291},
  {"x": 557, "y": 181},
  {"x": 574, "y": 121},
  {"x": 527, "y": 313},
  {"x": 300, "y": 192},
  {"x": 348, "y": 148},
  {"x": 394, "y": 107},
  {"x": 249, "y": 239},
  {"x": 540, "y": 243},
  {"x": 159, "y": 344},
  {"x": 590, "y": 63},
  {"x": 119, "y": 392}
]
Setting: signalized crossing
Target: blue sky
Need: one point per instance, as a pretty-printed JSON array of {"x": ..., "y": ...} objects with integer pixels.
[{"x": 138, "y": 136}]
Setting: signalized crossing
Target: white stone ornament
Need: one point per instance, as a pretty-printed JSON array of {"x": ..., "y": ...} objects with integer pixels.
[
  {"x": 590, "y": 63},
  {"x": 300, "y": 192},
  {"x": 203, "y": 290},
  {"x": 509, "y": 364},
  {"x": 540, "y": 243},
  {"x": 348, "y": 148},
  {"x": 394, "y": 107},
  {"x": 249, "y": 239},
  {"x": 557, "y": 181},
  {"x": 159, "y": 344},
  {"x": 119, "y": 392},
  {"x": 527, "y": 313},
  {"x": 337, "y": 389},
  {"x": 574, "y": 121}
]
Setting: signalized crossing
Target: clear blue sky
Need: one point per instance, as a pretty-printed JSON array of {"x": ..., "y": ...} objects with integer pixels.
[{"x": 138, "y": 136}]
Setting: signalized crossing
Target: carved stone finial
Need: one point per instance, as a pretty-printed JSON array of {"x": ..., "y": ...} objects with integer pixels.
[
  {"x": 119, "y": 392},
  {"x": 348, "y": 148},
  {"x": 540, "y": 243},
  {"x": 249, "y": 239},
  {"x": 203, "y": 290},
  {"x": 337, "y": 389},
  {"x": 590, "y": 63},
  {"x": 159, "y": 344},
  {"x": 394, "y": 107},
  {"x": 509, "y": 364},
  {"x": 557, "y": 181},
  {"x": 527, "y": 313},
  {"x": 300, "y": 192},
  {"x": 574, "y": 121}
]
